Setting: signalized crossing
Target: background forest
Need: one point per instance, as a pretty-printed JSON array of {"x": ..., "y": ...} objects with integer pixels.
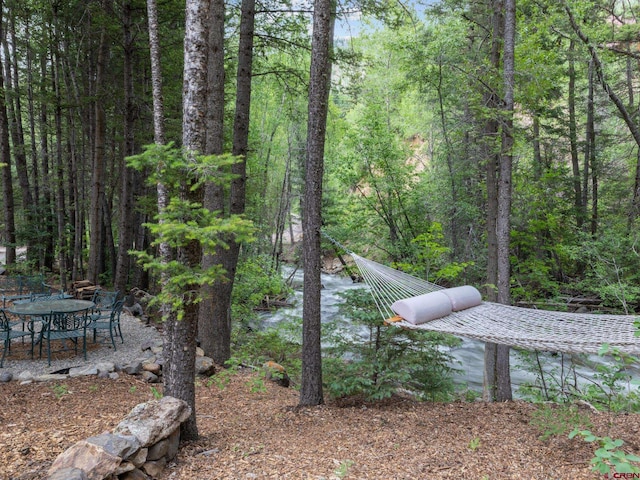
[{"x": 414, "y": 127}]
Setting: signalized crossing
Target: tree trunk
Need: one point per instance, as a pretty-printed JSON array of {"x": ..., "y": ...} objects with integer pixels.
[
  {"x": 319, "y": 85},
  {"x": 503, "y": 224},
  {"x": 573, "y": 140},
  {"x": 49, "y": 255},
  {"x": 14, "y": 106},
  {"x": 590, "y": 164},
  {"x": 214, "y": 322},
  {"x": 98, "y": 175},
  {"x": 164, "y": 250},
  {"x": 127, "y": 212},
  {"x": 624, "y": 113},
  {"x": 181, "y": 334},
  {"x": 491, "y": 132},
  {"x": 5, "y": 165}
]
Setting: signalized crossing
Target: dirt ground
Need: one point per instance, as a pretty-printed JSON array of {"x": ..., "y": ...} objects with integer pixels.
[{"x": 252, "y": 430}]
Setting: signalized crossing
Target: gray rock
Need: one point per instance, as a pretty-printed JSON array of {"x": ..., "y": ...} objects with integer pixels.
[
  {"x": 107, "y": 367},
  {"x": 152, "y": 367},
  {"x": 51, "y": 377},
  {"x": 6, "y": 377},
  {"x": 149, "y": 344},
  {"x": 155, "y": 467},
  {"x": 136, "y": 474},
  {"x": 83, "y": 371},
  {"x": 25, "y": 376},
  {"x": 174, "y": 444},
  {"x": 158, "y": 450},
  {"x": 140, "y": 457},
  {"x": 135, "y": 310},
  {"x": 152, "y": 421},
  {"x": 69, "y": 473},
  {"x": 133, "y": 368},
  {"x": 93, "y": 459},
  {"x": 205, "y": 366},
  {"x": 149, "y": 377},
  {"x": 118, "y": 445}
]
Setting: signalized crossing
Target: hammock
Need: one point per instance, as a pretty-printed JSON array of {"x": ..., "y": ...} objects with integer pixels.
[{"x": 527, "y": 328}]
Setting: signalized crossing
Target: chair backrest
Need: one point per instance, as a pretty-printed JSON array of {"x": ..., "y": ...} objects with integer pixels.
[
  {"x": 5, "y": 326},
  {"x": 116, "y": 311},
  {"x": 65, "y": 321},
  {"x": 44, "y": 297},
  {"x": 105, "y": 300}
]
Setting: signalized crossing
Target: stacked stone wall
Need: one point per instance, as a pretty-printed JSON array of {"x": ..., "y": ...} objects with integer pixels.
[{"x": 139, "y": 448}]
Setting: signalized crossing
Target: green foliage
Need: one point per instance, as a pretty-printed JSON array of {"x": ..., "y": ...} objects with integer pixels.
[
  {"x": 612, "y": 268},
  {"x": 431, "y": 257},
  {"x": 184, "y": 221},
  {"x": 157, "y": 394},
  {"x": 343, "y": 469},
  {"x": 280, "y": 343},
  {"x": 60, "y": 390},
  {"x": 375, "y": 361},
  {"x": 610, "y": 455},
  {"x": 254, "y": 285},
  {"x": 558, "y": 419},
  {"x": 474, "y": 443},
  {"x": 609, "y": 388}
]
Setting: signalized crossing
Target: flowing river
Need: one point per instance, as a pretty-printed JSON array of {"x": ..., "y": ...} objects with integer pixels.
[{"x": 468, "y": 356}]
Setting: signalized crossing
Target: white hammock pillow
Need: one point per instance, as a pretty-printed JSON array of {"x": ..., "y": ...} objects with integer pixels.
[
  {"x": 463, "y": 297},
  {"x": 423, "y": 308}
]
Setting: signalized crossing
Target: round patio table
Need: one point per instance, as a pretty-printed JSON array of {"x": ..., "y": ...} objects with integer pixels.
[{"x": 45, "y": 307}]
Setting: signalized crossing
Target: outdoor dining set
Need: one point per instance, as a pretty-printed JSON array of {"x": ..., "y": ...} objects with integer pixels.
[{"x": 34, "y": 312}]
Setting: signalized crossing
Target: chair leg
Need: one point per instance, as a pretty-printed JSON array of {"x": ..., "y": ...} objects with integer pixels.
[
  {"x": 4, "y": 351},
  {"x": 113, "y": 342}
]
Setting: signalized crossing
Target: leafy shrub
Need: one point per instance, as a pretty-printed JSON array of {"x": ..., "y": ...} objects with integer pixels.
[
  {"x": 253, "y": 284},
  {"x": 375, "y": 361}
]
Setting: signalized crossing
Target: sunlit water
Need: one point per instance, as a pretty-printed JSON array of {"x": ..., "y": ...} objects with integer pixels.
[{"x": 468, "y": 356}]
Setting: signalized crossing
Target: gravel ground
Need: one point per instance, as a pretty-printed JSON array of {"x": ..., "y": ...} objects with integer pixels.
[{"x": 134, "y": 330}]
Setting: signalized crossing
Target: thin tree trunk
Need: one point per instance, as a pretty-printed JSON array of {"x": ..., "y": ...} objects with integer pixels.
[
  {"x": 590, "y": 152},
  {"x": 624, "y": 113},
  {"x": 319, "y": 85},
  {"x": 127, "y": 212},
  {"x": 49, "y": 255},
  {"x": 164, "y": 250},
  {"x": 5, "y": 165},
  {"x": 181, "y": 350},
  {"x": 214, "y": 322},
  {"x": 98, "y": 174},
  {"x": 14, "y": 107},
  {"x": 503, "y": 225},
  {"x": 573, "y": 140},
  {"x": 491, "y": 134}
]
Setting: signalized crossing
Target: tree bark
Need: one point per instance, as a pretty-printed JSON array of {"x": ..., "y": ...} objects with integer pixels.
[
  {"x": 98, "y": 176},
  {"x": 127, "y": 211},
  {"x": 14, "y": 107},
  {"x": 180, "y": 375},
  {"x": 214, "y": 322},
  {"x": 503, "y": 224},
  {"x": 7, "y": 183},
  {"x": 491, "y": 133},
  {"x": 319, "y": 85},
  {"x": 573, "y": 140}
]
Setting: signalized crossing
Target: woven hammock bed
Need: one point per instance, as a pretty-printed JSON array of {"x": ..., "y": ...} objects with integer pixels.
[{"x": 527, "y": 328}]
